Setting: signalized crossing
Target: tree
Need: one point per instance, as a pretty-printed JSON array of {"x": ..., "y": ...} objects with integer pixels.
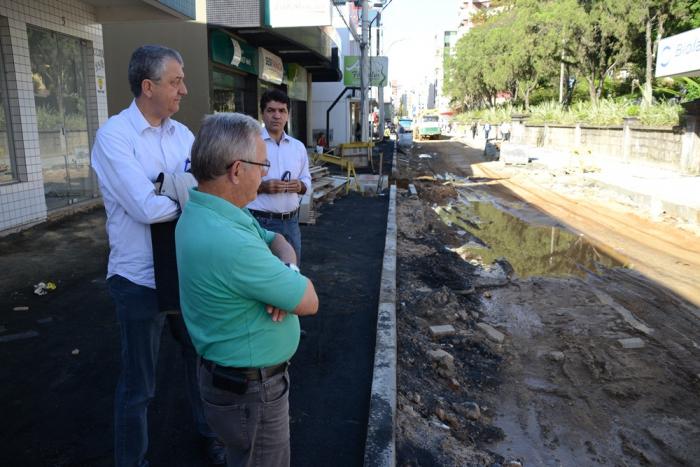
[
  {"x": 653, "y": 19},
  {"x": 599, "y": 40}
]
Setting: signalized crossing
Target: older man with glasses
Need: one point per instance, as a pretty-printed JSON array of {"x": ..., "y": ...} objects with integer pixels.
[{"x": 241, "y": 294}]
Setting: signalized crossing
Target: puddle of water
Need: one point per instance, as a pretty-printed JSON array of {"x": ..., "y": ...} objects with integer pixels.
[{"x": 531, "y": 250}]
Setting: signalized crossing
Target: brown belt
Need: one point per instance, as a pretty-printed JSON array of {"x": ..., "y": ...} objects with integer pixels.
[{"x": 251, "y": 374}]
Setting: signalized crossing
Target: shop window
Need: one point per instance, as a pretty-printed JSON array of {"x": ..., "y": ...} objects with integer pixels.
[
  {"x": 58, "y": 77},
  {"x": 227, "y": 92},
  {"x": 8, "y": 167}
]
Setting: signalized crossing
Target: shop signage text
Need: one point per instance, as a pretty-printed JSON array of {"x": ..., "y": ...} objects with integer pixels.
[
  {"x": 298, "y": 13},
  {"x": 378, "y": 71},
  {"x": 679, "y": 55},
  {"x": 271, "y": 67}
]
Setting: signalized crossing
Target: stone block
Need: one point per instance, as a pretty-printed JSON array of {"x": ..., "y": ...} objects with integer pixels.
[
  {"x": 513, "y": 154},
  {"x": 442, "y": 330},
  {"x": 491, "y": 332},
  {"x": 440, "y": 355},
  {"x": 631, "y": 343}
]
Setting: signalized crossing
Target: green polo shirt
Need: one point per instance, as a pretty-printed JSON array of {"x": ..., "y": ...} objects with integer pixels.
[{"x": 227, "y": 275}]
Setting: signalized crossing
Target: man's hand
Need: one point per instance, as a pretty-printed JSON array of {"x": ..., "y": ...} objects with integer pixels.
[
  {"x": 276, "y": 314},
  {"x": 295, "y": 186},
  {"x": 272, "y": 187}
]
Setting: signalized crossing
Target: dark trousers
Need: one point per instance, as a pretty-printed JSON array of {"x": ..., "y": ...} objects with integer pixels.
[
  {"x": 254, "y": 426},
  {"x": 141, "y": 325}
]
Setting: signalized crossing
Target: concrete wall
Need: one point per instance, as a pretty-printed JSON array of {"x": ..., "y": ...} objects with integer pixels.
[
  {"x": 188, "y": 38},
  {"x": 22, "y": 200},
  {"x": 660, "y": 147}
]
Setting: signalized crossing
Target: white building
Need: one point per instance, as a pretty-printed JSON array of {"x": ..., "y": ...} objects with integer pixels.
[{"x": 52, "y": 87}]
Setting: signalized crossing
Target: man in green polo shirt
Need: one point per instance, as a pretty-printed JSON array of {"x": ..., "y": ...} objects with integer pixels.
[{"x": 241, "y": 294}]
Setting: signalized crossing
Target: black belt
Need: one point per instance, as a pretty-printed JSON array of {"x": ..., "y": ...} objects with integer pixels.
[
  {"x": 250, "y": 374},
  {"x": 275, "y": 215}
]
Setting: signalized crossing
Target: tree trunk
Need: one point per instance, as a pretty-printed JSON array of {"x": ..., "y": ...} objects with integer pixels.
[
  {"x": 527, "y": 99},
  {"x": 592, "y": 90},
  {"x": 646, "y": 91}
]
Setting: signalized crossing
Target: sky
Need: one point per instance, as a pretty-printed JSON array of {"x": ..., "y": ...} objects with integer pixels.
[{"x": 409, "y": 35}]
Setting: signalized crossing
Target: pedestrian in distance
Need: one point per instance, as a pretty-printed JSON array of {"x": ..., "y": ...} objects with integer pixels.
[
  {"x": 129, "y": 153},
  {"x": 474, "y": 129},
  {"x": 277, "y": 206},
  {"x": 487, "y": 130},
  {"x": 241, "y": 294},
  {"x": 505, "y": 131}
]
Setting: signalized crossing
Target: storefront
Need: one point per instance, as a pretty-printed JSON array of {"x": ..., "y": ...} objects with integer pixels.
[
  {"x": 234, "y": 70},
  {"x": 240, "y": 73}
]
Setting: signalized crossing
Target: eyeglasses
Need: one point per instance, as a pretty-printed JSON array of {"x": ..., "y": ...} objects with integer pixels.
[
  {"x": 176, "y": 83},
  {"x": 265, "y": 165}
]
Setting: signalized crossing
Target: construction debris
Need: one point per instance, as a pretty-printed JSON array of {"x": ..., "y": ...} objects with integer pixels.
[{"x": 325, "y": 187}]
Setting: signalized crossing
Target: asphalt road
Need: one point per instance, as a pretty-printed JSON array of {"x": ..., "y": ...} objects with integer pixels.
[{"x": 59, "y": 359}]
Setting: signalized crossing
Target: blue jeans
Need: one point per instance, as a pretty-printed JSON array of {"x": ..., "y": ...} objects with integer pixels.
[
  {"x": 289, "y": 228},
  {"x": 140, "y": 325}
]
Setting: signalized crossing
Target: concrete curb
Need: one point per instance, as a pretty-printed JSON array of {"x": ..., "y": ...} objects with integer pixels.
[
  {"x": 380, "y": 449},
  {"x": 655, "y": 205}
]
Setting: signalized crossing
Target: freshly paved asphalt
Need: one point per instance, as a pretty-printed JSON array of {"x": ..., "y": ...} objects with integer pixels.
[{"x": 57, "y": 403}]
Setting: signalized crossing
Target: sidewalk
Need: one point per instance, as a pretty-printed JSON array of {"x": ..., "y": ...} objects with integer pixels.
[
  {"x": 655, "y": 190},
  {"x": 60, "y": 357}
]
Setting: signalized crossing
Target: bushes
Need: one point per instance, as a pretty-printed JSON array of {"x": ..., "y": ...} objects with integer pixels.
[{"x": 608, "y": 112}]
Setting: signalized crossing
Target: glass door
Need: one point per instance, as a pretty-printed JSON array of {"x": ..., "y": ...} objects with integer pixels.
[{"x": 58, "y": 76}]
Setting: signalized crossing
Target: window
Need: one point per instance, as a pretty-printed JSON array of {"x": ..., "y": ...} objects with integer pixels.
[
  {"x": 8, "y": 168},
  {"x": 58, "y": 77},
  {"x": 227, "y": 92}
]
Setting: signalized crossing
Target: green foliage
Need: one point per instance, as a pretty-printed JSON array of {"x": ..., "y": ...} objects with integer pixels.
[
  {"x": 605, "y": 112},
  {"x": 520, "y": 50},
  {"x": 688, "y": 89}
]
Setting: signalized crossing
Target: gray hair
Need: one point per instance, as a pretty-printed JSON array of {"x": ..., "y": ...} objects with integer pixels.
[
  {"x": 223, "y": 138},
  {"x": 148, "y": 62}
]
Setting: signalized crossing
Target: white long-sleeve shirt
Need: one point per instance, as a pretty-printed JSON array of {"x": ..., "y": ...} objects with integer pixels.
[
  {"x": 290, "y": 155},
  {"x": 127, "y": 157}
]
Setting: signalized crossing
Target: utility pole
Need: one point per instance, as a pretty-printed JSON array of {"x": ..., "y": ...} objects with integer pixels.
[
  {"x": 364, "y": 71},
  {"x": 380, "y": 88}
]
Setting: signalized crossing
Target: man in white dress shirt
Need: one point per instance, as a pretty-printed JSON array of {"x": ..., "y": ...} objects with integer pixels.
[
  {"x": 130, "y": 150},
  {"x": 277, "y": 206}
]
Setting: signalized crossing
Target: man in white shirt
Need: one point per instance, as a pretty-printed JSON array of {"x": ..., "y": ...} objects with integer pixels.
[
  {"x": 130, "y": 151},
  {"x": 277, "y": 206}
]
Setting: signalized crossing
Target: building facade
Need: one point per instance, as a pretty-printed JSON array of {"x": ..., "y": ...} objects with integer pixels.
[
  {"x": 63, "y": 72},
  {"x": 52, "y": 86},
  {"x": 233, "y": 51}
]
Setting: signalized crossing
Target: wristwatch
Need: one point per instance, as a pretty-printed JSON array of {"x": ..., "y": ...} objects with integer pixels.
[{"x": 293, "y": 267}]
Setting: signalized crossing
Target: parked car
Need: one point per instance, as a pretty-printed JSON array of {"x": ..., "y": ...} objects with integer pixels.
[{"x": 405, "y": 125}]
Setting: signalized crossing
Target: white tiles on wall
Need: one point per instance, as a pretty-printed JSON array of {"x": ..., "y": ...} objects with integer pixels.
[{"x": 22, "y": 202}]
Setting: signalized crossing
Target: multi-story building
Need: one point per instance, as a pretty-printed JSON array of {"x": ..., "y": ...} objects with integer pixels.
[
  {"x": 445, "y": 46},
  {"x": 63, "y": 71},
  {"x": 468, "y": 10}
]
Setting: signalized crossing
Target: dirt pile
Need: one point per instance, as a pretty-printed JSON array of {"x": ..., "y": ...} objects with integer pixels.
[
  {"x": 446, "y": 364},
  {"x": 522, "y": 344}
]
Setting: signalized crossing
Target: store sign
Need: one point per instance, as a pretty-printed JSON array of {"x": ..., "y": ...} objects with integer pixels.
[
  {"x": 378, "y": 71},
  {"x": 296, "y": 79},
  {"x": 271, "y": 67},
  {"x": 229, "y": 51},
  {"x": 679, "y": 55},
  {"x": 298, "y": 13}
]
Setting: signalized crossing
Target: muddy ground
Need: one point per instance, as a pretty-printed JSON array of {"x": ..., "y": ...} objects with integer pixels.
[{"x": 560, "y": 354}]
